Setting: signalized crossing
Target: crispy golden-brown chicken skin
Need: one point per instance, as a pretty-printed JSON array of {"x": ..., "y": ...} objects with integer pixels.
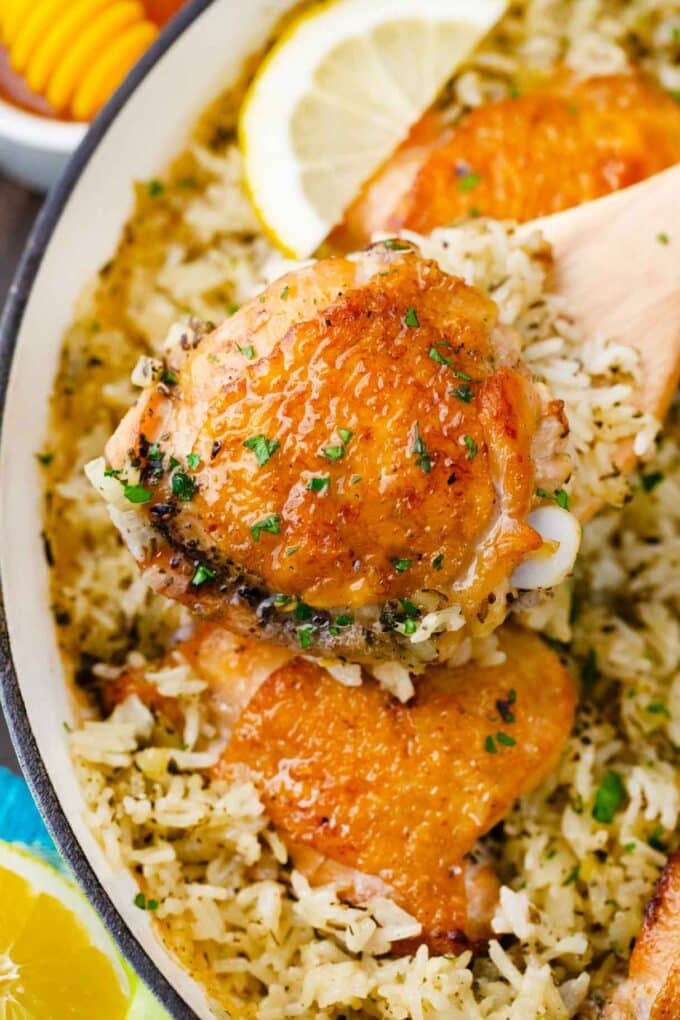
[
  {"x": 652, "y": 990},
  {"x": 379, "y": 797},
  {"x": 361, "y": 434},
  {"x": 565, "y": 142}
]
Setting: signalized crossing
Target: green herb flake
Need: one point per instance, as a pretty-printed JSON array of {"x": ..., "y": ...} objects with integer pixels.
[
  {"x": 355, "y": 479},
  {"x": 438, "y": 561},
  {"x": 183, "y": 486},
  {"x": 559, "y": 496},
  {"x": 292, "y": 550},
  {"x": 173, "y": 463},
  {"x": 333, "y": 452},
  {"x": 284, "y": 293},
  {"x": 651, "y": 480},
  {"x": 169, "y": 378},
  {"x": 394, "y": 244},
  {"x": 155, "y": 453},
  {"x": 45, "y": 458},
  {"x": 155, "y": 188},
  {"x": 419, "y": 451},
  {"x": 655, "y": 840},
  {"x": 471, "y": 447},
  {"x": 473, "y": 212},
  {"x": 462, "y": 375},
  {"x": 609, "y": 798},
  {"x": 411, "y": 318},
  {"x": 247, "y": 352},
  {"x": 589, "y": 670},
  {"x": 344, "y": 620},
  {"x": 572, "y": 876},
  {"x": 201, "y": 575},
  {"x": 193, "y": 460},
  {"x": 271, "y": 525},
  {"x": 658, "y": 708},
  {"x": 282, "y": 600},
  {"x": 306, "y": 635},
  {"x": 136, "y": 494},
  {"x": 410, "y": 627},
  {"x": 345, "y": 435},
  {"x": 401, "y": 565},
  {"x": 505, "y": 739},
  {"x": 410, "y": 608},
  {"x": 113, "y": 473},
  {"x": 629, "y": 847},
  {"x": 504, "y": 710},
  {"x": 319, "y": 484},
  {"x": 469, "y": 182},
  {"x": 141, "y": 901},
  {"x": 663, "y": 238},
  {"x": 463, "y": 392},
  {"x": 263, "y": 448},
  {"x": 303, "y": 611},
  {"x": 439, "y": 358},
  {"x": 490, "y": 745}
]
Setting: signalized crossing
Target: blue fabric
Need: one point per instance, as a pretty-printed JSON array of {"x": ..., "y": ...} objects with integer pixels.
[{"x": 20, "y": 821}]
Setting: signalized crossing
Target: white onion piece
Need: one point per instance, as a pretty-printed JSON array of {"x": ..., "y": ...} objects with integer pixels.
[{"x": 549, "y": 566}]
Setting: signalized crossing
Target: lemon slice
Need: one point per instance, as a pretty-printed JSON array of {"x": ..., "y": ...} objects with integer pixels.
[
  {"x": 337, "y": 94},
  {"x": 56, "y": 960}
]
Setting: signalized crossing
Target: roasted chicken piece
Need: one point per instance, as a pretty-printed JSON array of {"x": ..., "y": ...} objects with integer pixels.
[
  {"x": 565, "y": 142},
  {"x": 652, "y": 990},
  {"x": 379, "y": 797},
  {"x": 352, "y": 452}
]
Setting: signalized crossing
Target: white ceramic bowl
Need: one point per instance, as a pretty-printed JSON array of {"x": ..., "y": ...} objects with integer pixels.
[
  {"x": 34, "y": 150},
  {"x": 143, "y": 126}
]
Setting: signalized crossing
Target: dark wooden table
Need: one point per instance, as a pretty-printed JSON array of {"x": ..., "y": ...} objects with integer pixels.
[{"x": 18, "y": 209}]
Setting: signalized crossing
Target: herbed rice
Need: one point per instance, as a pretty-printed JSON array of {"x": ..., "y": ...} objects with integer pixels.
[{"x": 228, "y": 904}]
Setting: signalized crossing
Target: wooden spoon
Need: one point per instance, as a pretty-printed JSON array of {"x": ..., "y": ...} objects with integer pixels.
[{"x": 617, "y": 263}]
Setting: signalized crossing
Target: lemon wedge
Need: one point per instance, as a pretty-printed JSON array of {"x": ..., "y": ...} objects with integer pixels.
[
  {"x": 336, "y": 95},
  {"x": 56, "y": 960}
]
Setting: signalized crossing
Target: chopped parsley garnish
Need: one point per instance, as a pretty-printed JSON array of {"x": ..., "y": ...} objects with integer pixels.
[
  {"x": 462, "y": 375},
  {"x": 292, "y": 550},
  {"x": 141, "y": 901},
  {"x": 490, "y": 745},
  {"x": 155, "y": 452},
  {"x": 655, "y": 840},
  {"x": 262, "y": 447},
  {"x": 112, "y": 473},
  {"x": 463, "y": 392},
  {"x": 155, "y": 188},
  {"x": 271, "y": 524},
  {"x": 345, "y": 435},
  {"x": 438, "y": 561},
  {"x": 193, "y": 460},
  {"x": 651, "y": 480},
  {"x": 473, "y": 212},
  {"x": 136, "y": 494},
  {"x": 355, "y": 479},
  {"x": 505, "y": 739},
  {"x": 658, "y": 708},
  {"x": 282, "y": 600},
  {"x": 560, "y": 496},
  {"x": 410, "y": 626},
  {"x": 284, "y": 293},
  {"x": 410, "y": 609},
  {"x": 202, "y": 574},
  {"x": 247, "y": 352},
  {"x": 333, "y": 452},
  {"x": 573, "y": 875},
  {"x": 319, "y": 484},
  {"x": 183, "y": 486},
  {"x": 629, "y": 847},
  {"x": 469, "y": 182},
  {"x": 439, "y": 358},
  {"x": 169, "y": 378},
  {"x": 344, "y": 620},
  {"x": 411, "y": 318},
  {"x": 419, "y": 451},
  {"x": 303, "y": 611},
  {"x": 306, "y": 635},
  {"x": 45, "y": 458},
  {"x": 401, "y": 565},
  {"x": 173, "y": 463},
  {"x": 609, "y": 798},
  {"x": 504, "y": 710},
  {"x": 471, "y": 447},
  {"x": 663, "y": 238},
  {"x": 394, "y": 244},
  {"x": 589, "y": 670}
]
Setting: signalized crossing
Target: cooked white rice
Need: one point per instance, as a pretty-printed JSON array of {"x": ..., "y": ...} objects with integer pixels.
[{"x": 263, "y": 942}]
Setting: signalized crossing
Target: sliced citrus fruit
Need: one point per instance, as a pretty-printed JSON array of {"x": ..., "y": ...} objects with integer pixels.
[
  {"x": 56, "y": 960},
  {"x": 336, "y": 95}
]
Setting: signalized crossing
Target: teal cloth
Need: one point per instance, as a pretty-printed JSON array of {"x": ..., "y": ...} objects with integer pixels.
[{"x": 20, "y": 820}]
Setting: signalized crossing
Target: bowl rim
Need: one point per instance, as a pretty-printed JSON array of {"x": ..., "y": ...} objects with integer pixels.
[
  {"x": 25, "y": 128},
  {"x": 11, "y": 699}
]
